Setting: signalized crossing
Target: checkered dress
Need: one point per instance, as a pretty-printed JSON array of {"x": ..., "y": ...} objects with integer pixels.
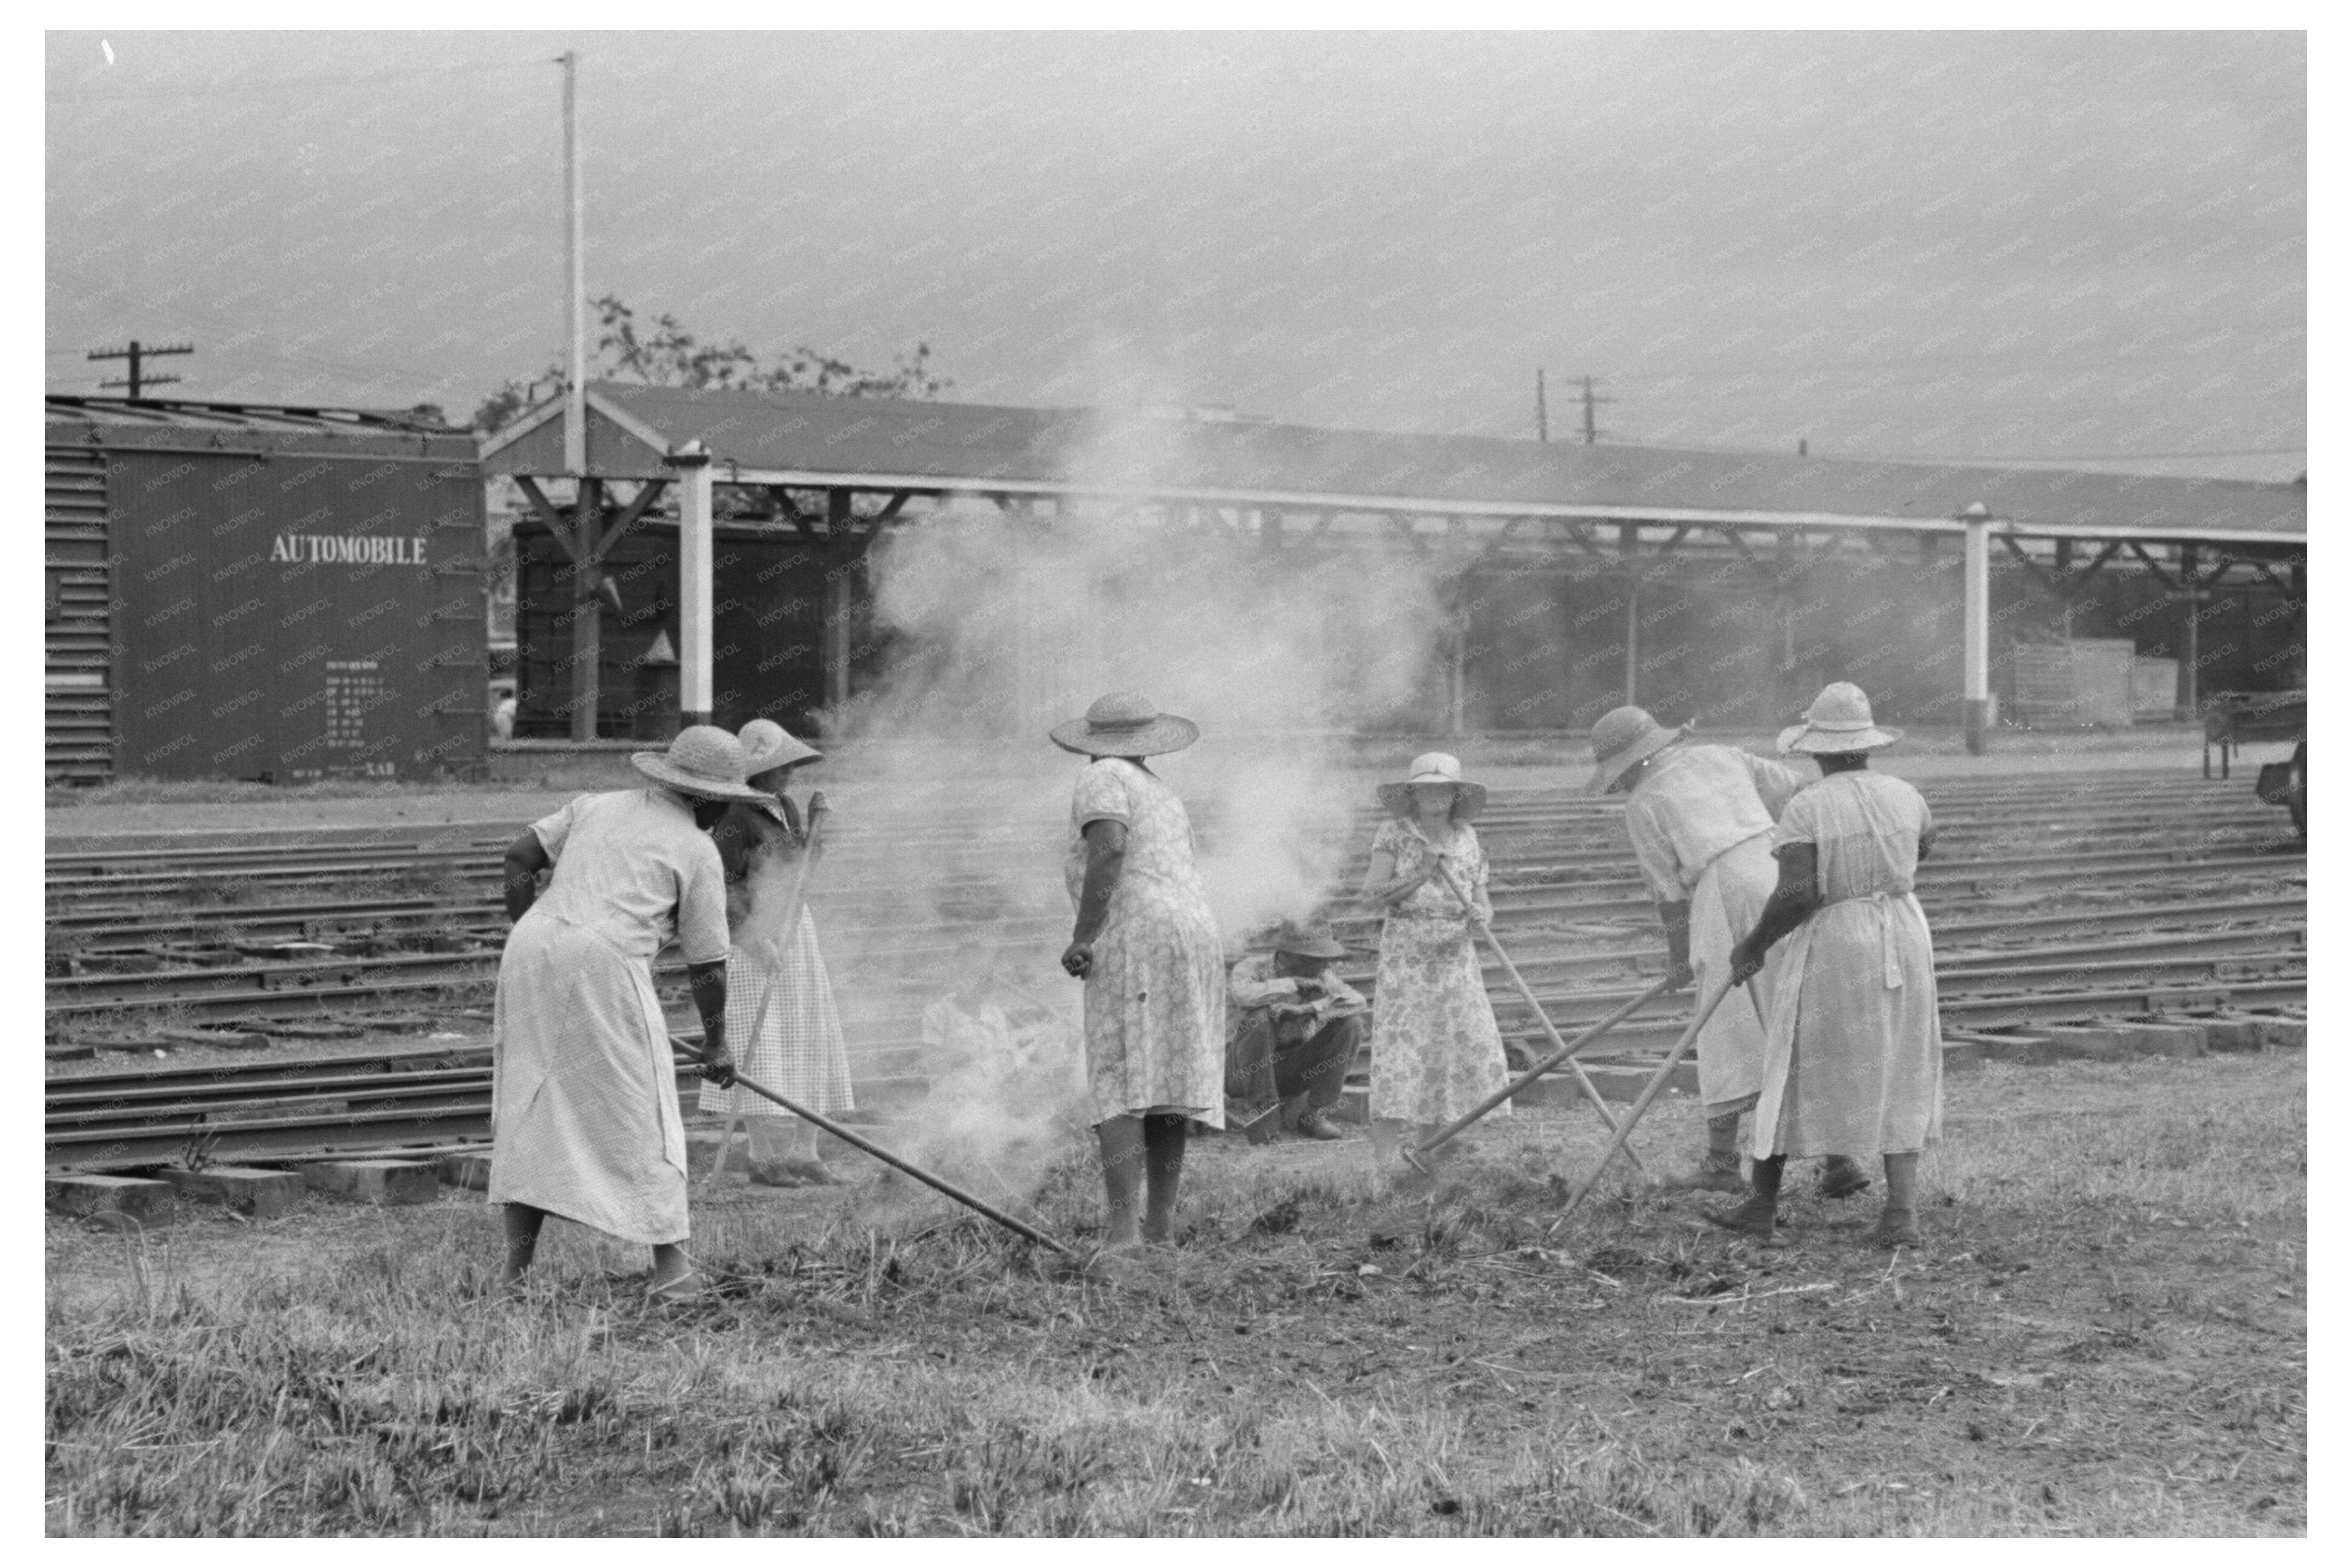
[{"x": 798, "y": 1050}]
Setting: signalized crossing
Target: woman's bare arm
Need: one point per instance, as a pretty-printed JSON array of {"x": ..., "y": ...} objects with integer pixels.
[
  {"x": 1106, "y": 858},
  {"x": 1381, "y": 883},
  {"x": 1795, "y": 899},
  {"x": 525, "y": 858}
]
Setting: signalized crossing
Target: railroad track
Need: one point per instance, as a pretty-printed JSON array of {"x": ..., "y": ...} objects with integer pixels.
[
  {"x": 441, "y": 1100},
  {"x": 2145, "y": 894},
  {"x": 220, "y": 988}
]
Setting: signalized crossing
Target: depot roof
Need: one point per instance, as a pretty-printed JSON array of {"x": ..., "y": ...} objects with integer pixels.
[{"x": 809, "y": 439}]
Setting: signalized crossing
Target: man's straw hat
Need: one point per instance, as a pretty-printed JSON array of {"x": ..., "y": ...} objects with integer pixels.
[
  {"x": 1125, "y": 724},
  {"x": 1623, "y": 736},
  {"x": 767, "y": 744},
  {"x": 704, "y": 760},
  {"x": 1308, "y": 939},
  {"x": 1435, "y": 768},
  {"x": 1839, "y": 721}
]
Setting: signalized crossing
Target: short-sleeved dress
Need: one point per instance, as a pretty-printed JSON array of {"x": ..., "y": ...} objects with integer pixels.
[
  {"x": 1855, "y": 1061},
  {"x": 783, "y": 1016},
  {"x": 1700, "y": 820},
  {"x": 1437, "y": 1051},
  {"x": 1155, "y": 1009},
  {"x": 583, "y": 1090}
]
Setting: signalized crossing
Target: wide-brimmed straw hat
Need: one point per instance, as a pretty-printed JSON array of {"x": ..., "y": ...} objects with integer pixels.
[
  {"x": 1307, "y": 939},
  {"x": 1435, "y": 768},
  {"x": 1839, "y": 721},
  {"x": 767, "y": 744},
  {"x": 703, "y": 760},
  {"x": 1623, "y": 736},
  {"x": 1125, "y": 724}
]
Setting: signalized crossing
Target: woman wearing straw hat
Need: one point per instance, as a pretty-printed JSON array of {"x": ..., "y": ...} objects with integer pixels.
[
  {"x": 1854, "y": 1059},
  {"x": 583, "y": 1090},
  {"x": 1700, "y": 820},
  {"x": 1146, "y": 945},
  {"x": 1437, "y": 1051},
  {"x": 793, "y": 1044}
]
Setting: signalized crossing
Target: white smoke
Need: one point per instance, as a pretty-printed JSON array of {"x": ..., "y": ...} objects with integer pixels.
[{"x": 1004, "y": 622}]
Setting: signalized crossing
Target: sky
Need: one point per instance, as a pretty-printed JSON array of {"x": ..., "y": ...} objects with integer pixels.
[{"x": 2086, "y": 248}]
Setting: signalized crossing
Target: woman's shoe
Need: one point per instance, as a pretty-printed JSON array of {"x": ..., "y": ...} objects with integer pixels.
[
  {"x": 1757, "y": 1217},
  {"x": 1842, "y": 1178},
  {"x": 1896, "y": 1228},
  {"x": 1715, "y": 1174}
]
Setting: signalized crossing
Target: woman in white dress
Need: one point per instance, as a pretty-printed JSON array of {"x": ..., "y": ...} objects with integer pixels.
[
  {"x": 1700, "y": 820},
  {"x": 1146, "y": 945},
  {"x": 778, "y": 993},
  {"x": 584, "y": 1089},
  {"x": 1853, "y": 1062}
]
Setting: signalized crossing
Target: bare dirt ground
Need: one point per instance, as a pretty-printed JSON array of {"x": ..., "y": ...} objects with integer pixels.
[{"x": 2103, "y": 1335}]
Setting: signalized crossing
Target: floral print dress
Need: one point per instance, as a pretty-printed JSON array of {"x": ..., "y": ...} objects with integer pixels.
[
  {"x": 1437, "y": 1051},
  {"x": 1155, "y": 1010}
]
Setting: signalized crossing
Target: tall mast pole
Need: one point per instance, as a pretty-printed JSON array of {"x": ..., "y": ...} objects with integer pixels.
[{"x": 576, "y": 301}]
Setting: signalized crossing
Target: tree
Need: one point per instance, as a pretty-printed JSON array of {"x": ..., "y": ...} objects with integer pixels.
[{"x": 662, "y": 352}]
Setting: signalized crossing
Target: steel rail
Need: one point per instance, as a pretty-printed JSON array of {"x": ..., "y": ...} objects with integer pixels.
[
  {"x": 99, "y": 872},
  {"x": 2064, "y": 800},
  {"x": 301, "y": 986}
]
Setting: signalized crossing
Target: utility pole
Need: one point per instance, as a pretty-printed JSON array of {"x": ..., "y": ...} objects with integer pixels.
[
  {"x": 138, "y": 353},
  {"x": 1591, "y": 434},
  {"x": 575, "y": 303},
  {"x": 1543, "y": 419}
]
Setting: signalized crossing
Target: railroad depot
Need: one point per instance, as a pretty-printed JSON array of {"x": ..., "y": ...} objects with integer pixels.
[{"x": 1576, "y": 578}]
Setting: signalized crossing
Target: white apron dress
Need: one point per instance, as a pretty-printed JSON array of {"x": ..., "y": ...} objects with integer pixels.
[
  {"x": 1700, "y": 820},
  {"x": 1437, "y": 1051},
  {"x": 1155, "y": 1009},
  {"x": 1855, "y": 1060},
  {"x": 583, "y": 1092},
  {"x": 798, "y": 1051}
]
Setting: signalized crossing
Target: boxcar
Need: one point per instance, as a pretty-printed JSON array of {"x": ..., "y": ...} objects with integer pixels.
[{"x": 269, "y": 593}]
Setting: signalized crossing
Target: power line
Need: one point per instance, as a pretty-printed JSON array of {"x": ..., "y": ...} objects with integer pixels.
[
  {"x": 2093, "y": 457},
  {"x": 2107, "y": 357},
  {"x": 1976, "y": 457},
  {"x": 286, "y": 84}
]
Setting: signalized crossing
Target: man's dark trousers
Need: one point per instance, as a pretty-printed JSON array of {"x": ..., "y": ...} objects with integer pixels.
[{"x": 1276, "y": 1059}]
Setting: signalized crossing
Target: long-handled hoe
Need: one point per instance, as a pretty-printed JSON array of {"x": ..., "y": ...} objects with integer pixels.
[
  {"x": 1650, "y": 1091},
  {"x": 1563, "y": 1050},
  {"x": 859, "y": 1141},
  {"x": 1412, "y": 1155}
]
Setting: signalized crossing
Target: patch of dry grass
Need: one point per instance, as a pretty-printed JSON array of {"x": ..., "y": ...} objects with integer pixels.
[{"x": 2103, "y": 1337}]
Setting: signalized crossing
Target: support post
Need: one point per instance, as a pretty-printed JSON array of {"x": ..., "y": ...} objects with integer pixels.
[
  {"x": 1632, "y": 633},
  {"x": 692, "y": 462},
  {"x": 1976, "y": 627},
  {"x": 2195, "y": 600},
  {"x": 1458, "y": 667},
  {"x": 587, "y": 607},
  {"x": 840, "y": 599}
]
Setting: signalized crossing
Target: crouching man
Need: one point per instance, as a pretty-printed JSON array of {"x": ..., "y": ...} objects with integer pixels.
[{"x": 1291, "y": 1028}]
